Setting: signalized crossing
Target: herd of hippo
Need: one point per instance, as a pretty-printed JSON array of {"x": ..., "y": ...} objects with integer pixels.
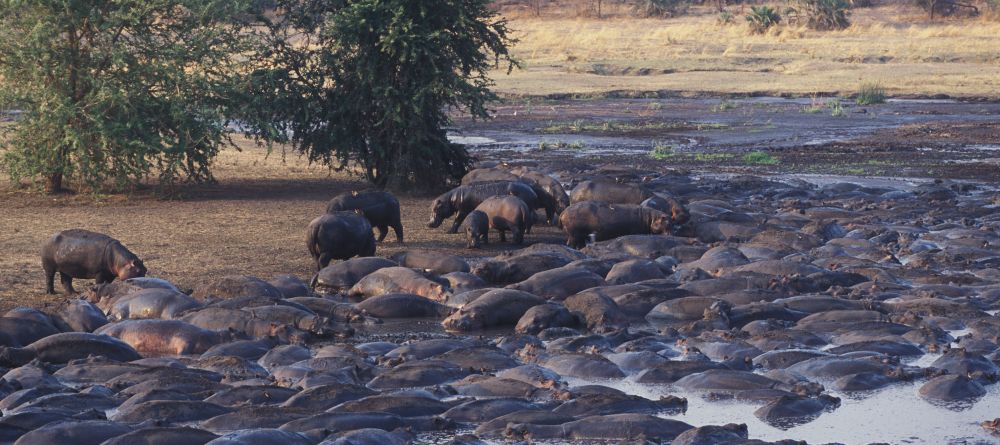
[{"x": 779, "y": 294}]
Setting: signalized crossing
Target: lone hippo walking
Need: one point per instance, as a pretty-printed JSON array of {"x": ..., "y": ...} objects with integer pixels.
[
  {"x": 339, "y": 235},
  {"x": 78, "y": 253}
]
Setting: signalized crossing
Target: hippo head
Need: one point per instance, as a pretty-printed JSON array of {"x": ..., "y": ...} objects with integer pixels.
[
  {"x": 132, "y": 269},
  {"x": 460, "y": 321},
  {"x": 287, "y": 333},
  {"x": 517, "y": 431},
  {"x": 474, "y": 241},
  {"x": 660, "y": 224},
  {"x": 441, "y": 208}
]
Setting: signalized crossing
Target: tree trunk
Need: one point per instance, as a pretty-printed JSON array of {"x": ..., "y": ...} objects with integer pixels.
[{"x": 53, "y": 183}]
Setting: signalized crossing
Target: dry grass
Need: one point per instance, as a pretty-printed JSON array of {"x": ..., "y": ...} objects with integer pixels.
[
  {"x": 251, "y": 223},
  {"x": 891, "y": 44}
]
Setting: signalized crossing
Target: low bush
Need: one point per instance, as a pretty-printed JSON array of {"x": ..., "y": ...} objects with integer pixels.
[
  {"x": 661, "y": 8},
  {"x": 762, "y": 18},
  {"x": 870, "y": 94},
  {"x": 825, "y": 15}
]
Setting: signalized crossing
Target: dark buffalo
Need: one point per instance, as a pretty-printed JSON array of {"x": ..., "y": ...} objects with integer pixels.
[
  {"x": 507, "y": 213},
  {"x": 465, "y": 199},
  {"x": 78, "y": 253},
  {"x": 608, "y": 221},
  {"x": 380, "y": 208},
  {"x": 339, "y": 235}
]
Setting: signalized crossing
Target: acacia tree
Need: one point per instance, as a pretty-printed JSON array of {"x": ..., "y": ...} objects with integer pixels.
[
  {"x": 369, "y": 83},
  {"x": 112, "y": 90}
]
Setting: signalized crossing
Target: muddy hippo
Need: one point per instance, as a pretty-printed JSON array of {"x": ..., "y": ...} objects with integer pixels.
[
  {"x": 507, "y": 213},
  {"x": 78, "y": 315},
  {"x": 399, "y": 280},
  {"x": 78, "y": 253},
  {"x": 165, "y": 337},
  {"x": 477, "y": 229},
  {"x": 559, "y": 283},
  {"x": 163, "y": 436},
  {"x": 381, "y": 209},
  {"x": 607, "y": 221},
  {"x": 545, "y": 316},
  {"x": 789, "y": 411},
  {"x": 403, "y": 306},
  {"x": 68, "y": 346},
  {"x": 614, "y": 427},
  {"x": 609, "y": 192},
  {"x": 342, "y": 276},
  {"x": 487, "y": 175},
  {"x": 86, "y": 432},
  {"x": 339, "y": 235},
  {"x": 951, "y": 388},
  {"x": 438, "y": 263},
  {"x": 514, "y": 269},
  {"x": 549, "y": 184},
  {"x": 599, "y": 312},
  {"x": 501, "y": 307},
  {"x": 550, "y": 193},
  {"x": 465, "y": 199},
  {"x": 152, "y": 303}
]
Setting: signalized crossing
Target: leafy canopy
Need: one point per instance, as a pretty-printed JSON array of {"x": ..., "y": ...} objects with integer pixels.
[
  {"x": 368, "y": 84},
  {"x": 111, "y": 90}
]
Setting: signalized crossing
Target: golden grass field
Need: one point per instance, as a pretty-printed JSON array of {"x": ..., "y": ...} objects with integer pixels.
[{"x": 893, "y": 45}]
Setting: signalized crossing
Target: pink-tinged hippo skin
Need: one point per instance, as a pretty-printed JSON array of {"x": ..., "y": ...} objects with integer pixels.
[
  {"x": 431, "y": 261},
  {"x": 68, "y": 346},
  {"x": 399, "y": 280},
  {"x": 609, "y": 192},
  {"x": 153, "y": 338},
  {"x": 339, "y": 235},
  {"x": 153, "y": 303},
  {"x": 342, "y": 276},
  {"x": 608, "y": 221},
  {"x": 380, "y": 208},
  {"x": 501, "y": 307},
  {"x": 507, "y": 213},
  {"x": 78, "y": 253},
  {"x": 464, "y": 199}
]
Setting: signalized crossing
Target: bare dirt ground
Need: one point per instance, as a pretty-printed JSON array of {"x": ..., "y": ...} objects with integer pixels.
[{"x": 251, "y": 223}]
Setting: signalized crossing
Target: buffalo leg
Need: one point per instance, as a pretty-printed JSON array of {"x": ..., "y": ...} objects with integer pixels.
[
  {"x": 382, "y": 232},
  {"x": 398, "y": 228}
]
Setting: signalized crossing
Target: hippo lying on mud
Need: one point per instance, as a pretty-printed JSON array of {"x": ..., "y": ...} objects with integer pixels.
[
  {"x": 381, "y": 209},
  {"x": 339, "y": 235},
  {"x": 607, "y": 221},
  {"x": 465, "y": 199},
  {"x": 78, "y": 253}
]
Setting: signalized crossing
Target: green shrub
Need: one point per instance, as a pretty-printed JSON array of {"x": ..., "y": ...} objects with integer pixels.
[
  {"x": 836, "y": 109},
  {"x": 661, "y": 152},
  {"x": 825, "y": 14},
  {"x": 727, "y": 18},
  {"x": 870, "y": 93},
  {"x": 760, "y": 158},
  {"x": 661, "y": 8},
  {"x": 762, "y": 18}
]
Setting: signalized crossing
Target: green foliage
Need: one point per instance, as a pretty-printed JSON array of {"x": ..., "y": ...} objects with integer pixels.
[
  {"x": 726, "y": 18},
  {"x": 871, "y": 93},
  {"x": 760, "y": 158},
  {"x": 761, "y": 18},
  {"x": 712, "y": 157},
  {"x": 661, "y": 8},
  {"x": 368, "y": 83},
  {"x": 661, "y": 152},
  {"x": 113, "y": 90},
  {"x": 725, "y": 105},
  {"x": 825, "y": 14},
  {"x": 836, "y": 108}
]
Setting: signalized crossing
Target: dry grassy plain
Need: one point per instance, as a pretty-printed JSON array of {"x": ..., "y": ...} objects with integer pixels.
[{"x": 894, "y": 45}]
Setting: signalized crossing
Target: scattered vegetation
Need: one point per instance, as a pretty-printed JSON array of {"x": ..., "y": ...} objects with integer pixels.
[
  {"x": 661, "y": 152},
  {"x": 825, "y": 15},
  {"x": 947, "y": 8},
  {"x": 836, "y": 108},
  {"x": 712, "y": 157},
  {"x": 725, "y": 105},
  {"x": 561, "y": 145},
  {"x": 760, "y": 158},
  {"x": 661, "y": 8},
  {"x": 726, "y": 18},
  {"x": 761, "y": 18},
  {"x": 870, "y": 94}
]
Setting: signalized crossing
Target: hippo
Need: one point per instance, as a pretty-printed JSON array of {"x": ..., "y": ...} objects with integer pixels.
[
  {"x": 552, "y": 187},
  {"x": 82, "y": 432},
  {"x": 399, "y": 280},
  {"x": 608, "y": 221},
  {"x": 165, "y": 337},
  {"x": 477, "y": 229},
  {"x": 951, "y": 388},
  {"x": 263, "y": 436},
  {"x": 585, "y": 366},
  {"x": 231, "y": 287},
  {"x": 517, "y": 268},
  {"x": 403, "y": 404},
  {"x": 380, "y": 208},
  {"x": 78, "y": 315},
  {"x": 342, "y": 276},
  {"x": 609, "y": 192},
  {"x": 170, "y": 410},
  {"x": 291, "y": 286},
  {"x": 242, "y": 322},
  {"x": 599, "y": 313},
  {"x": 465, "y": 199},
  {"x": 67, "y": 346},
  {"x": 501, "y": 307},
  {"x": 632, "y": 271},
  {"x": 477, "y": 385},
  {"x": 495, "y": 428},
  {"x": 399, "y": 305},
  {"x": 487, "y": 175},
  {"x": 534, "y": 375},
  {"x": 339, "y": 235},
  {"x": 344, "y": 422},
  {"x": 593, "y": 404},
  {"x": 437, "y": 263},
  {"x": 152, "y": 303},
  {"x": 367, "y": 436},
  {"x": 544, "y": 316},
  {"x": 789, "y": 411},
  {"x": 78, "y": 253},
  {"x": 714, "y": 434},
  {"x": 251, "y": 395},
  {"x": 549, "y": 192},
  {"x": 483, "y": 410},
  {"x": 559, "y": 283},
  {"x": 507, "y": 213},
  {"x": 163, "y": 435},
  {"x": 618, "y": 427}
]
